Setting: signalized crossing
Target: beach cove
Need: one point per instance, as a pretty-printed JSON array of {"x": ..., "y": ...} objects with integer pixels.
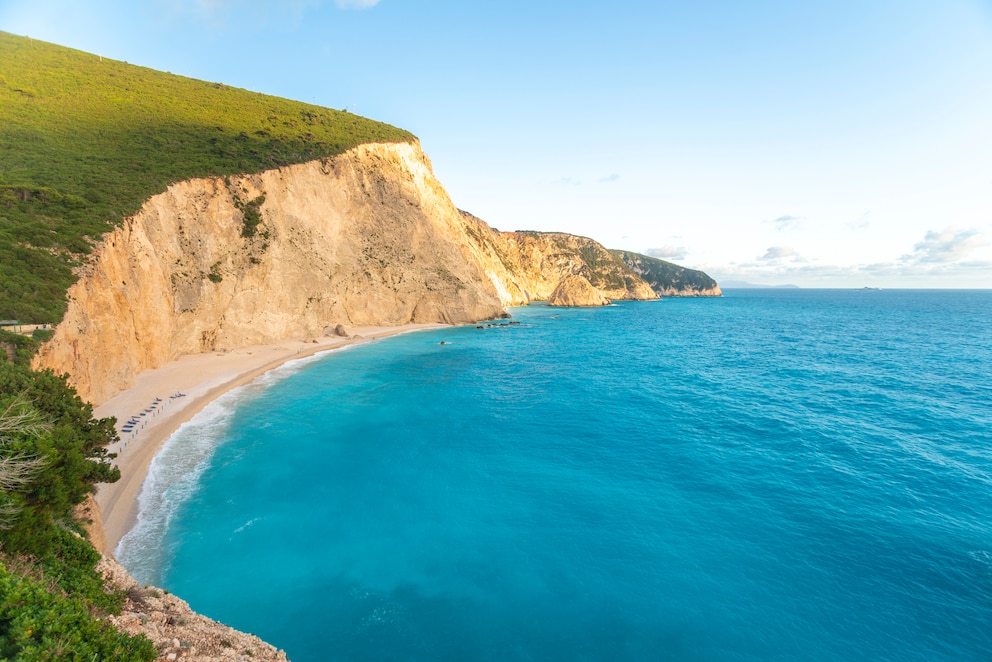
[{"x": 201, "y": 379}]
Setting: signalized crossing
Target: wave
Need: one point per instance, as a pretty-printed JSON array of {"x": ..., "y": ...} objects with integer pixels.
[{"x": 174, "y": 473}]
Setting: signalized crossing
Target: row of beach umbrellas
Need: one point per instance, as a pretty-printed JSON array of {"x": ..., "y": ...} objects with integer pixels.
[{"x": 138, "y": 421}]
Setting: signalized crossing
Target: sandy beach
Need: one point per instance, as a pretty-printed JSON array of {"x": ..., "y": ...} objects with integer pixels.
[{"x": 201, "y": 378}]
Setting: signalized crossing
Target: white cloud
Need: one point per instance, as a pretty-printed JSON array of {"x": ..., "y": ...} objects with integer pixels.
[
  {"x": 609, "y": 179},
  {"x": 668, "y": 252},
  {"x": 779, "y": 253},
  {"x": 949, "y": 245},
  {"x": 941, "y": 259}
]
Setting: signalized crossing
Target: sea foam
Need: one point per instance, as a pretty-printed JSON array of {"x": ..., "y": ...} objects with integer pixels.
[{"x": 175, "y": 472}]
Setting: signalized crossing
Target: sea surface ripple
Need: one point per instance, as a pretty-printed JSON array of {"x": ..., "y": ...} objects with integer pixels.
[{"x": 773, "y": 475}]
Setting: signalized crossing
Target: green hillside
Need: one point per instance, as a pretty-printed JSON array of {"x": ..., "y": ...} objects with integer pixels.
[
  {"x": 662, "y": 275},
  {"x": 85, "y": 140}
]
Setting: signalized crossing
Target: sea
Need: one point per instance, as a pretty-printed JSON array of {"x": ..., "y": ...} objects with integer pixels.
[{"x": 776, "y": 474}]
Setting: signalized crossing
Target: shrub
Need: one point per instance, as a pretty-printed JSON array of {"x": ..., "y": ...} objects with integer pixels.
[{"x": 37, "y": 624}]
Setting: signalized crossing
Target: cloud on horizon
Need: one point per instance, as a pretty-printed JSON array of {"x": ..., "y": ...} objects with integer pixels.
[
  {"x": 949, "y": 245},
  {"x": 668, "y": 252},
  {"x": 939, "y": 260}
]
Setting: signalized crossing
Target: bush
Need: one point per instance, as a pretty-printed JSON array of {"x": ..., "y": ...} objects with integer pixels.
[
  {"x": 52, "y": 453},
  {"x": 38, "y": 624}
]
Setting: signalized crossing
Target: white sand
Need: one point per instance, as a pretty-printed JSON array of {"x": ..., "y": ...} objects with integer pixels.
[{"x": 202, "y": 378}]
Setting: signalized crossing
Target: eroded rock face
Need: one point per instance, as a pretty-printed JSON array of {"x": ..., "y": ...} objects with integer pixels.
[
  {"x": 177, "y": 631},
  {"x": 667, "y": 279},
  {"x": 576, "y": 291},
  {"x": 528, "y": 266},
  {"x": 369, "y": 237}
]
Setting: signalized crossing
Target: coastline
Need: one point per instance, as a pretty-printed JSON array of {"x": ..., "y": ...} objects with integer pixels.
[{"x": 202, "y": 378}]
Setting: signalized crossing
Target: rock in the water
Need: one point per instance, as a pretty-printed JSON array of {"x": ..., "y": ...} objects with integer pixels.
[{"x": 575, "y": 291}]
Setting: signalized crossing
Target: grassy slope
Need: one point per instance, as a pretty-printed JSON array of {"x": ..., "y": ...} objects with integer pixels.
[{"x": 84, "y": 141}]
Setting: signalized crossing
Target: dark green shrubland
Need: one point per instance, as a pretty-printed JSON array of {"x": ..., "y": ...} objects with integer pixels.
[{"x": 52, "y": 453}]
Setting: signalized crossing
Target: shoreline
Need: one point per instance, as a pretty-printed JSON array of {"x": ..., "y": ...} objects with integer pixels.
[{"x": 201, "y": 378}]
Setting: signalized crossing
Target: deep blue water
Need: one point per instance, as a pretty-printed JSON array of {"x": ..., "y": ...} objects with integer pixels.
[{"x": 773, "y": 475}]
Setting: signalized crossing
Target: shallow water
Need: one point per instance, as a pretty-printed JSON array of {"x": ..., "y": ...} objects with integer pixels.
[{"x": 777, "y": 474}]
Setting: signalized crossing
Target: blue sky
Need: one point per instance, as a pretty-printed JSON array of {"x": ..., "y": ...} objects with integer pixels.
[{"x": 825, "y": 144}]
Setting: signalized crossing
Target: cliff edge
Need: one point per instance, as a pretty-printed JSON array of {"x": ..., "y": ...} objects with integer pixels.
[
  {"x": 367, "y": 237},
  {"x": 667, "y": 279}
]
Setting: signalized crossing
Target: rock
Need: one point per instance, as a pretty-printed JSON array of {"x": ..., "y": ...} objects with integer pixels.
[
  {"x": 369, "y": 237},
  {"x": 667, "y": 279},
  {"x": 173, "y": 626},
  {"x": 574, "y": 291},
  {"x": 527, "y": 266}
]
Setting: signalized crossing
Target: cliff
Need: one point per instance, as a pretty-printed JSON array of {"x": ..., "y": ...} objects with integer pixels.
[
  {"x": 367, "y": 237},
  {"x": 177, "y": 631},
  {"x": 667, "y": 279},
  {"x": 528, "y": 266}
]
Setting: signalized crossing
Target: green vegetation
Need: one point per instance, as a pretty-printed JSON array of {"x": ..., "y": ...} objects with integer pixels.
[
  {"x": 662, "y": 275},
  {"x": 85, "y": 140},
  {"x": 252, "y": 213},
  {"x": 37, "y": 624},
  {"x": 52, "y": 453},
  {"x": 607, "y": 272}
]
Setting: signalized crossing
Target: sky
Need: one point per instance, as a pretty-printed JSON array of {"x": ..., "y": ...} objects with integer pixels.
[{"x": 841, "y": 143}]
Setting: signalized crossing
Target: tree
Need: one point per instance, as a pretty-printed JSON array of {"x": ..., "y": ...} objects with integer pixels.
[
  {"x": 56, "y": 457},
  {"x": 18, "y": 421}
]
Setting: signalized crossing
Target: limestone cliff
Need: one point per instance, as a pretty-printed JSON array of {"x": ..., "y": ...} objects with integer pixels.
[
  {"x": 364, "y": 238},
  {"x": 576, "y": 291},
  {"x": 528, "y": 266},
  {"x": 368, "y": 237},
  {"x": 667, "y": 279}
]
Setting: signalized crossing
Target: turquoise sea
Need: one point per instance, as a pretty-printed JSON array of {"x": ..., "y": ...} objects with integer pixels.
[{"x": 772, "y": 475}]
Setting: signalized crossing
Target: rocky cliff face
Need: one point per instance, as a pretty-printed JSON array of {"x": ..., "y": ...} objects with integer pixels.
[
  {"x": 528, "y": 266},
  {"x": 369, "y": 237},
  {"x": 667, "y": 279},
  {"x": 177, "y": 631},
  {"x": 575, "y": 291}
]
